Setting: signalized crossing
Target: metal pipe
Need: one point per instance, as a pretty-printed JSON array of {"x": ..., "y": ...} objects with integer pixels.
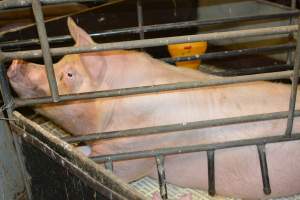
[
  {"x": 177, "y": 127},
  {"x": 232, "y": 53},
  {"x": 9, "y": 4},
  {"x": 211, "y": 172},
  {"x": 264, "y": 168},
  {"x": 295, "y": 80},
  {"x": 155, "y": 42},
  {"x": 194, "y": 148},
  {"x": 160, "y": 161},
  {"x": 140, "y": 19},
  {"x": 156, "y": 88},
  {"x": 39, "y": 18},
  {"x": 152, "y": 28}
]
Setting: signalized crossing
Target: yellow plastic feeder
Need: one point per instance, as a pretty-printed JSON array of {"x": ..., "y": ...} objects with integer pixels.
[{"x": 188, "y": 49}]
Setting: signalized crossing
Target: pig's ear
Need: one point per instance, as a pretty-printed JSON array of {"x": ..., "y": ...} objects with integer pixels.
[{"x": 81, "y": 37}]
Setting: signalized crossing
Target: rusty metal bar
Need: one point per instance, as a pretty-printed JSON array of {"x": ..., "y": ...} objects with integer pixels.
[
  {"x": 39, "y": 18},
  {"x": 156, "y": 88},
  {"x": 264, "y": 168},
  {"x": 211, "y": 172},
  {"x": 154, "y": 42},
  {"x": 295, "y": 80},
  {"x": 177, "y": 127},
  {"x": 194, "y": 148},
  {"x": 160, "y": 161}
]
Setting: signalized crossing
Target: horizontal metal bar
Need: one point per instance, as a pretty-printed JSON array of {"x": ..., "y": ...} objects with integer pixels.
[
  {"x": 232, "y": 53},
  {"x": 156, "y": 88},
  {"x": 264, "y": 168},
  {"x": 9, "y": 4},
  {"x": 194, "y": 148},
  {"x": 154, "y": 42},
  {"x": 178, "y": 127},
  {"x": 153, "y": 28}
]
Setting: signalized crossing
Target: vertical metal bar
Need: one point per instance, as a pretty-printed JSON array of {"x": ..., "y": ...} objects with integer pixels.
[
  {"x": 160, "y": 160},
  {"x": 140, "y": 19},
  {"x": 9, "y": 106},
  {"x": 109, "y": 165},
  {"x": 211, "y": 172},
  {"x": 289, "y": 58},
  {"x": 264, "y": 168},
  {"x": 295, "y": 80},
  {"x": 39, "y": 18}
]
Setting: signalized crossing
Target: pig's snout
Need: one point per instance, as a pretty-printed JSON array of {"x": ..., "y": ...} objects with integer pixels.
[{"x": 14, "y": 70}]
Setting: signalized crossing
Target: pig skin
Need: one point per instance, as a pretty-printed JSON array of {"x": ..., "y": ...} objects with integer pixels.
[{"x": 237, "y": 170}]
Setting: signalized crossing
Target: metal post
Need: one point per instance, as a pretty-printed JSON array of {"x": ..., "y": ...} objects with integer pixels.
[
  {"x": 211, "y": 172},
  {"x": 160, "y": 160},
  {"x": 264, "y": 168}
]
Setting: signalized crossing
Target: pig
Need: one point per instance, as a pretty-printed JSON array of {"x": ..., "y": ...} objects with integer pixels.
[{"x": 237, "y": 170}]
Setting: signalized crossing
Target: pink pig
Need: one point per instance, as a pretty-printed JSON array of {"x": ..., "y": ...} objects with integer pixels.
[{"x": 237, "y": 170}]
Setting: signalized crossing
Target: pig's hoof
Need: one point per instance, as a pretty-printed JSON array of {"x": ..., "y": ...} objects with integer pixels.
[{"x": 156, "y": 196}]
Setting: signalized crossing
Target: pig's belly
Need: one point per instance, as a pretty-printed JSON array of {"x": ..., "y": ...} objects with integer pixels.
[{"x": 237, "y": 170}]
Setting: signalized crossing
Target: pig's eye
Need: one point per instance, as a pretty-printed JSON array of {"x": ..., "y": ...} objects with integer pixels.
[{"x": 70, "y": 74}]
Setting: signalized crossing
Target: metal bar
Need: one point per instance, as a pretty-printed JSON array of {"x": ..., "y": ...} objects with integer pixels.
[
  {"x": 244, "y": 71},
  {"x": 293, "y": 4},
  {"x": 211, "y": 172},
  {"x": 264, "y": 168},
  {"x": 194, "y": 148},
  {"x": 177, "y": 127},
  {"x": 140, "y": 19},
  {"x": 273, "y": 4},
  {"x": 160, "y": 161},
  {"x": 109, "y": 166},
  {"x": 9, "y": 4},
  {"x": 154, "y": 42},
  {"x": 156, "y": 88},
  {"x": 293, "y": 96},
  {"x": 39, "y": 18},
  {"x": 152, "y": 28},
  {"x": 232, "y": 53}
]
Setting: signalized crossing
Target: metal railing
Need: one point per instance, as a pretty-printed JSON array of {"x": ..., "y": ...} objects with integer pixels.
[{"x": 160, "y": 154}]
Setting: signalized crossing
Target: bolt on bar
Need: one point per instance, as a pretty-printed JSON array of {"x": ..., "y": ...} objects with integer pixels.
[
  {"x": 211, "y": 172},
  {"x": 38, "y": 15},
  {"x": 194, "y": 148},
  {"x": 8, "y": 4},
  {"x": 109, "y": 166},
  {"x": 295, "y": 80},
  {"x": 264, "y": 168},
  {"x": 156, "y": 88},
  {"x": 157, "y": 27},
  {"x": 160, "y": 161},
  {"x": 154, "y": 42},
  {"x": 177, "y": 127}
]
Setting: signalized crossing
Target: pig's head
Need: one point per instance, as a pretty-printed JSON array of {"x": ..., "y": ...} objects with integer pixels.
[{"x": 74, "y": 73}]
